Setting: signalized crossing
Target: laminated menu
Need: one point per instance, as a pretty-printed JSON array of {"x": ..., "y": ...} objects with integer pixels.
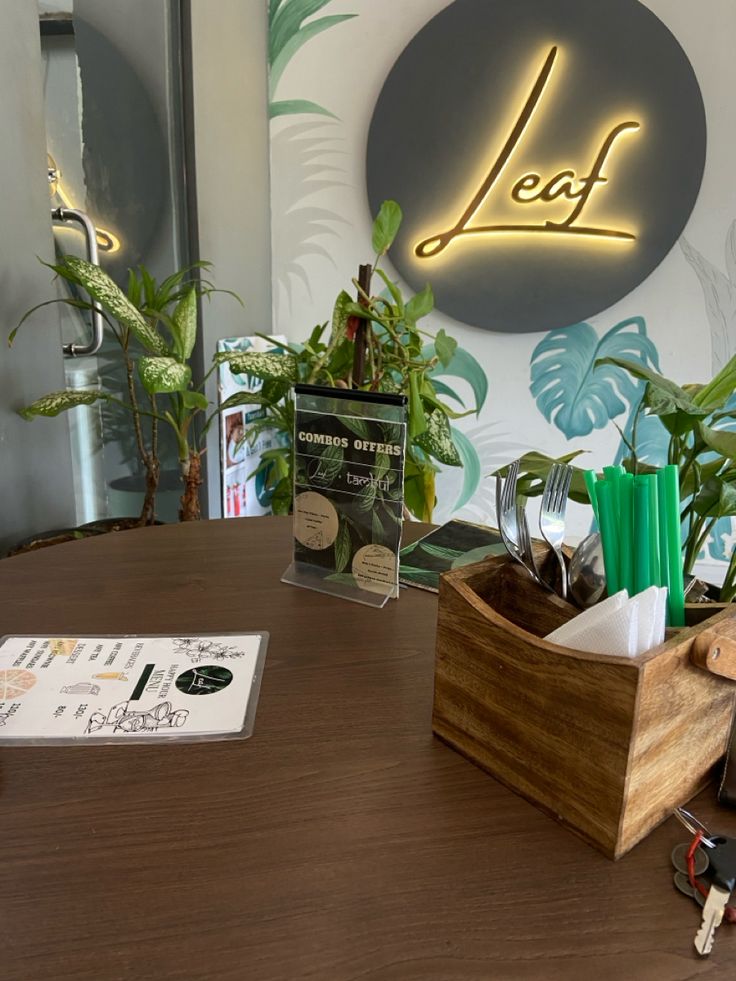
[{"x": 129, "y": 688}]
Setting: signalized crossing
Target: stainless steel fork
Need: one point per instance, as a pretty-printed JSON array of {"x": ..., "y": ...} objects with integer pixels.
[
  {"x": 552, "y": 514},
  {"x": 512, "y": 523}
]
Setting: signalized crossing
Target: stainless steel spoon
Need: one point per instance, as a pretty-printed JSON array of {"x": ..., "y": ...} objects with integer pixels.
[{"x": 587, "y": 574}]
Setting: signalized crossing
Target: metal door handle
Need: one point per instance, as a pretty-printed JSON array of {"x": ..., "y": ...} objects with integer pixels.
[{"x": 90, "y": 234}]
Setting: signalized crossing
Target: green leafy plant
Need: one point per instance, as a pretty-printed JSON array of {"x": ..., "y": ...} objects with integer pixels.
[
  {"x": 372, "y": 344},
  {"x": 155, "y": 327},
  {"x": 701, "y": 423}
]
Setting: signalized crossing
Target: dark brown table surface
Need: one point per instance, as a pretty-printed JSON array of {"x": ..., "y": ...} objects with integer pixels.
[{"x": 342, "y": 841}]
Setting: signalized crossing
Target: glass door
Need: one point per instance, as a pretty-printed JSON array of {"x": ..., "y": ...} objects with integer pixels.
[{"x": 112, "y": 95}]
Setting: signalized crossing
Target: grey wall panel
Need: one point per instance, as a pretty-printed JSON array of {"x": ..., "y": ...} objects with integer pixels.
[{"x": 36, "y": 488}]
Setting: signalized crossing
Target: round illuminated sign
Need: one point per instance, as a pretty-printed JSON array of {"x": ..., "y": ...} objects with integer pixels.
[{"x": 547, "y": 155}]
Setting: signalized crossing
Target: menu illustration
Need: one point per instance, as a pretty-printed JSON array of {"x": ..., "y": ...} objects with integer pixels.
[
  {"x": 64, "y": 689},
  {"x": 348, "y": 496}
]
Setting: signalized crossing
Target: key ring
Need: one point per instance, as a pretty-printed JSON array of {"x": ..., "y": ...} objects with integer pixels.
[{"x": 694, "y": 826}]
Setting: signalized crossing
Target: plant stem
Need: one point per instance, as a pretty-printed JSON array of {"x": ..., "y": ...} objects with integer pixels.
[{"x": 191, "y": 471}]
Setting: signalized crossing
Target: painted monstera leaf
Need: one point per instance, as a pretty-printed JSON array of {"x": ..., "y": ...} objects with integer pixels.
[{"x": 574, "y": 393}]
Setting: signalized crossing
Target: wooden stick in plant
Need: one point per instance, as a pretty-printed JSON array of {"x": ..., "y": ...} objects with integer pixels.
[{"x": 361, "y": 335}]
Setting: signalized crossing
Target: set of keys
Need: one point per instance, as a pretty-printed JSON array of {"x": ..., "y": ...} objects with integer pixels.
[{"x": 712, "y": 854}]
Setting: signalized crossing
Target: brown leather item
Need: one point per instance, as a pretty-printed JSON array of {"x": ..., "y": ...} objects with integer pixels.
[{"x": 727, "y": 789}]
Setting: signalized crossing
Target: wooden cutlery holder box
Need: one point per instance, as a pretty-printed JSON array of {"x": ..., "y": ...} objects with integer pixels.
[{"x": 609, "y": 746}]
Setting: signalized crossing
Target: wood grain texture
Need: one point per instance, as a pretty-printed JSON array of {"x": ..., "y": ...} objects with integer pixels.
[
  {"x": 714, "y": 649},
  {"x": 607, "y": 745},
  {"x": 341, "y": 843}
]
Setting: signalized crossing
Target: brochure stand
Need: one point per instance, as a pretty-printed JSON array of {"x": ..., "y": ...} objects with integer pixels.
[{"x": 348, "y": 493}]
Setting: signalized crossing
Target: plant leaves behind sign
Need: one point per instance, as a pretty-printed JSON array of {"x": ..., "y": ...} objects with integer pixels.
[
  {"x": 445, "y": 346},
  {"x": 576, "y": 385},
  {"x": 185, "y": 324},
  {"x": 419, "y": 306},
  {"x": 278, "y": 366},
  {"x": 437, "y": 440},
  {"x": 163, "y": 375},
  {"x": 282, "y": 496},
  {"x": 386, "y": 226},
  {"x": 716, "y": 498},
  {"x": 112, "y": 299},
  {"x": 343, "y": 547},
  {"x": 56, "y": 402},
  {"x": 274, "y": 389},
  {"x": 194, "y": 400}
]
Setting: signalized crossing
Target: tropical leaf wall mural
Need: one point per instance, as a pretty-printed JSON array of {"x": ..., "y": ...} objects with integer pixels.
[
  {"x": 290, "y": 28},
  {"x": 574, "y": 393}
]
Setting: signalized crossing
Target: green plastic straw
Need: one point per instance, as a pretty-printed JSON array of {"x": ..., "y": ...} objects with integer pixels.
[
  {"x": 608, "y": 519},
  {"x": 674, "y": 546},
  {"x": 590, "y": 480},
  {"x": 664, "y": 578},
  {"x": 656, "y": 569},
  {"x": 626, "y": 524},
  {"x": 613, "y": 476},
  {"x": 642, "y": 535}
]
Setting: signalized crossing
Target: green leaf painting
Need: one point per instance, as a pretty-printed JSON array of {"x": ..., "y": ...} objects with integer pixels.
[
  {"x": 290, "y": 28},
  {"x": 576, "y": 394}
]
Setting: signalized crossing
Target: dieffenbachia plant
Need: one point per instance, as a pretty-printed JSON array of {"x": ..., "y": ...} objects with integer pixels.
[
  {"x": 398, "y": 360},
  {"x": 155, "y": 326}
]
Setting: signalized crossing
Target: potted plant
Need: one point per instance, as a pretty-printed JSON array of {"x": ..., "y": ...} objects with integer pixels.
[
  {"x": 155, "y": 327},
  {"x": 374, "y": 344}
]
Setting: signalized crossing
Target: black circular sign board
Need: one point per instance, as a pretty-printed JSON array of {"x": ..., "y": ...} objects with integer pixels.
[{"x": 547, "y": 155}]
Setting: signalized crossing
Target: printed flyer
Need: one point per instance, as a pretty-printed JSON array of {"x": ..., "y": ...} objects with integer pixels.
[
  {"x": 66, "y": 689},
  {"x": 243, "y": 494},
  {"x": 348, "y": 488}
]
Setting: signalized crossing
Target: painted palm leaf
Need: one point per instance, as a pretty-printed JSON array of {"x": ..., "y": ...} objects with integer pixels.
[
  {"x": 576, "y": 394},
  {"x": 288, "y": 32},
  {"x": 719, "y": 291}
]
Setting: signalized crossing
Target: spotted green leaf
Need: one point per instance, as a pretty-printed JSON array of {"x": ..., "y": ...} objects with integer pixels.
[
  {"x": 282, "y": 366},
  {"x": 112, "y": 299},
  {"x": 185, "y": 324},
  {"x": 437, "y": 440},
  {"x": 56, "y": 402},
  {"x": 164, "y": 375}
]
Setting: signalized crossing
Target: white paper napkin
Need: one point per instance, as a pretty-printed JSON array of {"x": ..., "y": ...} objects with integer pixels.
[{"x": 620, "y": 625}]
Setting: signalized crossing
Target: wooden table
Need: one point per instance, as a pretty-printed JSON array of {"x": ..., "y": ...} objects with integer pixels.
[{"x": 341, "y": 842}]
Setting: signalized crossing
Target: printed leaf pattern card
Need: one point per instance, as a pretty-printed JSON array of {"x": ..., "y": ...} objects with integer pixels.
[
  {"x": 455, "y": 544},
  {"x": 348, "y": 496}
]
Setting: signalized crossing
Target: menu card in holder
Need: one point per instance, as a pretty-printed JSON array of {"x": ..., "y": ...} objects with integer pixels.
[{"x": 348, "y": 492}]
